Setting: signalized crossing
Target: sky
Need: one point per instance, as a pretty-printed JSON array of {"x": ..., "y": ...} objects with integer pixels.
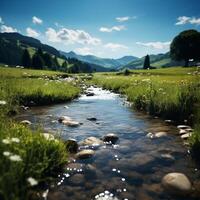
[{"x": 105, "y": 28}]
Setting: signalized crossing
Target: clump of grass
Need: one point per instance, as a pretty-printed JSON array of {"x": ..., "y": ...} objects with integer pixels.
[{"x": 26, "y": 156}]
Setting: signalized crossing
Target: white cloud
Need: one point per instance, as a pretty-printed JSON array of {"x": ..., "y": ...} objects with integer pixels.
[
  {"x": 31, "y": 32},
  {"x": 114, "y": 28},
  {"x": 115, "y": 46},
  {"x": 70, "y": 36},
  {"x": 187, "y": 20},
  {"x": 84, "y": 51},
  {"x": 126, "y": 18},
  {"x": 155, "y": 45},
  {"x": 8, "y": 29},
  {"x": 36, "y": 20},
  {"x": 1, "y": 20},
  {"x": 122, "y": 19}
]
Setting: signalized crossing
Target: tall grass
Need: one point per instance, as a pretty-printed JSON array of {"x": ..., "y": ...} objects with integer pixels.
[
  {"x": 27, "y": 157},
  {"x": 157, "y": 92},
  {"x": 23, "y": 155},
  {"x": 29, "y": 87}
]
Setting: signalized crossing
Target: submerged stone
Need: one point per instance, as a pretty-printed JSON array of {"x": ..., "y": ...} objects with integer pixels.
[
  {"x": 91, "y": 141},
  {"x": 177, "y": 183},
  {"x": 25, "y": 122},
  {"x": 92, "y": 118},
  {"x": 111, "y": 137},
  {"x": 71, "y": 145},
  {"x": 84, "y": 154},
  {"x": 183, "y": 127},
  {"x": 62, "y": 118}
]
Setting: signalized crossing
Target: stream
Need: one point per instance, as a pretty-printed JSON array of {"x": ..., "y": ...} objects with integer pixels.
[{"x": 131, "y": 169}]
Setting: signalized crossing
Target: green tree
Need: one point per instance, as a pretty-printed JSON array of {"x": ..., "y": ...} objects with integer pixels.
[
  {"x": 146, "y": 62},
  {"x": 64, "y": 65},
  {"x": 40, "y": 52},
  {"x": 37, "y": 61},
  {"x": 26, "y": 59},
  {"x": 48, "y": 61},
  {"x": 186, "y": 46},
  {"x": 56, "y": 65}
]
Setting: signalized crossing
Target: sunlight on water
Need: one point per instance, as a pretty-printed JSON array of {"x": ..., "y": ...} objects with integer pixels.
[{"x": 99, "y": 94}]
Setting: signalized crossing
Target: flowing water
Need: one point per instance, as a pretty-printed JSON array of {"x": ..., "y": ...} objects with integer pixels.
[{"x": 133, "y": 168}]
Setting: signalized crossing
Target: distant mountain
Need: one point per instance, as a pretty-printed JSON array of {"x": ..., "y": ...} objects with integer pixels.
[
  {"x": 126, "y": 59},
  {"x": 105, "y": 62},
  {"x": 13, "y": 44},
  {"x": 159, "y": 60}
]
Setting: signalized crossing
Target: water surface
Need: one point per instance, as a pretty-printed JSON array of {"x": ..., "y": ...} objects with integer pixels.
[{"x": 132, "y": 168}]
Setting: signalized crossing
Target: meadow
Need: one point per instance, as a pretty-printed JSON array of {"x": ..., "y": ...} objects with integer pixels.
[
  {"x": 28, "y": 158},
  {"x": 170, "y": 93}
]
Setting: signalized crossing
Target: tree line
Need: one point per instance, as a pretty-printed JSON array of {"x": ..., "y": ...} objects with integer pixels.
[{"x": 44, "y": 60}]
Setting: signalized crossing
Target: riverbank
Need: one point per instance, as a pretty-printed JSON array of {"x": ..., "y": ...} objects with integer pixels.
[
  {"x": 172, "y": 94},
  {"x": 28, "y": 158}
]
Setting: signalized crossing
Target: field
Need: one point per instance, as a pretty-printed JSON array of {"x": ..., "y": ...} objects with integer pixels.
[
  {"x": 170, "y": 93},
  {"x": 28, "y": 158}
]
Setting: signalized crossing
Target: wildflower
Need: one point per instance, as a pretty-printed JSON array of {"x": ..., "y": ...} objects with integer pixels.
[
  {"x": 2, "y": 102},
  {"x": 17, "y": 140},
  {"x": 15, "y": 158},
  {"x": 48, "y": 136},
  {"x": 6, "y": 153},
  {"x": 6, "y": 141},
  {"x": 32, "y": 181}
]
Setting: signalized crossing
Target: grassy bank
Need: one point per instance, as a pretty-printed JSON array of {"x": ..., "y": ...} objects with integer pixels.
[
  {"x": 34, "y": 87},
  {"x": 171, "y": 93},
  {"x": 28, "y": 158}
]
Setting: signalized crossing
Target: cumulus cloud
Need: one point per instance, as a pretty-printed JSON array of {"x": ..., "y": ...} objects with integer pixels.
[
  {"x": 84, "y": 51},
  {"x": 70, "y": 36},
  {"x": 114, "y": 28},
  {"x": 187, "y": 20},
  {"x": 31, "y": 32},
  {"x": 123, "y": 19},
  {"x": 8, "y": 29},
  {"x": 155, "y": 45},
  {"x": 115, "y": 46},
  {"x": 36, "y": 20}
]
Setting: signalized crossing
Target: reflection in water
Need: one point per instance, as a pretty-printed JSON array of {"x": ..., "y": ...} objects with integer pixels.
[{"x": 130, "y": 169}]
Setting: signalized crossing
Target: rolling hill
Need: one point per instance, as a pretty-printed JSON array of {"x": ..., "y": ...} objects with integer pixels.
[
  {"x": 159, "y": 60},
  {"x": 105, "y": 62}
]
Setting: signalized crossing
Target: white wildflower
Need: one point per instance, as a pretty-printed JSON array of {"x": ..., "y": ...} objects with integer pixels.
[
  {"x": 6, "y": 141},
  {"x": 2, "y": 102},
  {"x": 15, "y": 158},
  {"x": 17, "y": 140},
  {"x": 6, "y": 153},
  {"x": 32, "y": 181},
  {"x": 48, "y": 136}
]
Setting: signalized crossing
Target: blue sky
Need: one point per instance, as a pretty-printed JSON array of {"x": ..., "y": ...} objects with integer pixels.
[{"x": 106, "y": 28}]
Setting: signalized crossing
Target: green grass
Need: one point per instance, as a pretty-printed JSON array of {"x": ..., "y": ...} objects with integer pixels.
[
  {"x": 27, "y": 73},
  {"x": 35, "y": 156},
  {"x": 22, "y": 86},
  {"x": 38, "y": 157},
  {"x": 170, "y": 93}
]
